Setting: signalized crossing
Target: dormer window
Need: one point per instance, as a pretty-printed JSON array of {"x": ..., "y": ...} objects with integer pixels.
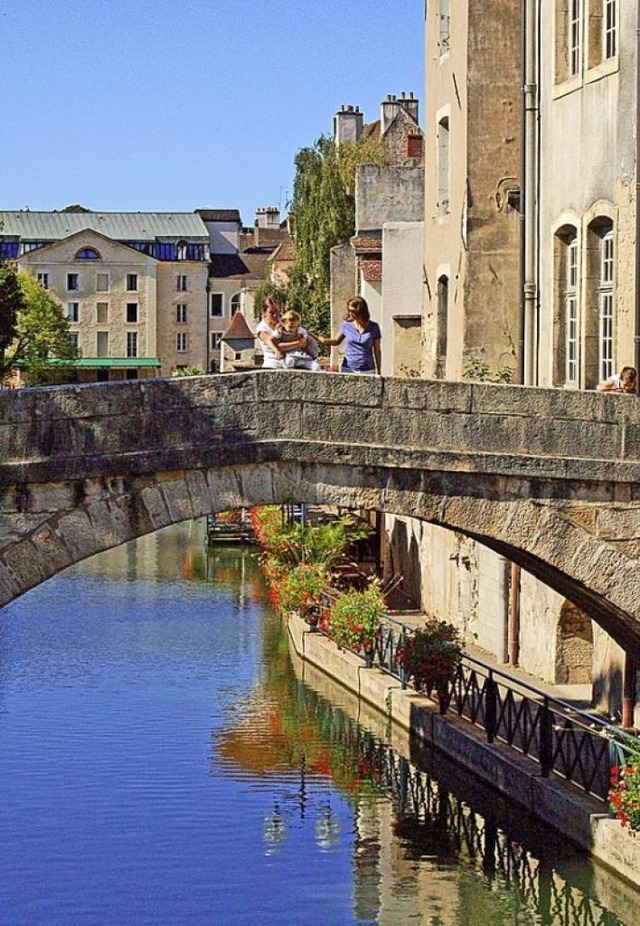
[
  {"x": 181, "y": 250},
  {"x": 88, "y": 254}
]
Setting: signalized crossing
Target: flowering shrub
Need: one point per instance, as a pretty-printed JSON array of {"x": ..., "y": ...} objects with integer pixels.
[
  {"x": 230, "y": 516},
  {"x": 624, "y": 793},
  {"x": 301, "y": 587},
  {"x": 431, "y": 655},
  {"x": 354, "y": 619}
]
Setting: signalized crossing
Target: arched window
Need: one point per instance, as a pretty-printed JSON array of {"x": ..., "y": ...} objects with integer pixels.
[
  {"x": 442, "y": 299},
  {"x": 88, "y": 254},
  {"x": 600, "y": 302},
  {"x": 236, "y": 303},
  {"x": 572, "y": 334},
  {"x": 181, "y": 250}
]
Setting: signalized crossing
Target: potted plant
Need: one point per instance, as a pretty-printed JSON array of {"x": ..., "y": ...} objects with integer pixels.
[
  {"x": 431, "y": 655},
  {"x": 354, "y": 619},
  {"x": 624, "y": 793},
  {"x": 300, "y": 589}
]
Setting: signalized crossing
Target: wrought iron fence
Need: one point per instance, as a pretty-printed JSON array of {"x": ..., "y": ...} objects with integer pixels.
[{"x": 564, "y": 741}]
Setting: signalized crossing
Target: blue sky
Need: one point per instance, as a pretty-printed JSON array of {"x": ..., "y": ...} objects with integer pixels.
[{"x": 158, "y": 105}]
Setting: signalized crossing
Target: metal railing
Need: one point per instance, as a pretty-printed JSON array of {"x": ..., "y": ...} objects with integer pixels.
[{"x": 577, "y": 746}]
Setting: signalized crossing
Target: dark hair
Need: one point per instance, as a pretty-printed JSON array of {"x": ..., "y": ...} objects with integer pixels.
[
  {"x": 270, "y": 303},
  {"x": 359, "y": 307}
]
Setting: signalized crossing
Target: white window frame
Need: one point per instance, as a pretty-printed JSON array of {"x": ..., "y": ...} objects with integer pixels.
[
  {"x": 43, "y": 279},
  {"x": 132, "y": 343},
  {"x": 132, "y": 278},
  {"x": 572, "y": 334},
  {"x": 181, "y": 313},
  {"x": 135, "y": 320},
  {"x": 73, "y": 312},
  {"x": 609, "y": 29},
  {"x": 104, "y": 276},
  {"x": 213, "y": 314},
  {"x": 606, "y": 296},
  {"x": 104, "y": 336},
  {"x": 73, "y": 278},
  {"x": 104, "y": 320},
  {"x": 574, "y": 37},
  {"x": 182, "y": 343},
  {"x": 216, "y": 340},
  {"x": 182, "y": 283}
]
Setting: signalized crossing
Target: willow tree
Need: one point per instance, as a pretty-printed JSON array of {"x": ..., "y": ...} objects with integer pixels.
[{"x": 324, "y": 212}]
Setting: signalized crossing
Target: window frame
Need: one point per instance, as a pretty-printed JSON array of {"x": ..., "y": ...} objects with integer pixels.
[
  {"x": 214, "y": 297},
  {"x": 128, "y": 313},
  {"x": 73, "y": 313},
  {"x": 606, "y": 306},
  {"x": 132, "y": 344},
  {"x": 571, "y": 304},
  {"x": 73, "y": 282},
  {"x": 181, "y": 313},
  {"x": 182, "y": 342}
]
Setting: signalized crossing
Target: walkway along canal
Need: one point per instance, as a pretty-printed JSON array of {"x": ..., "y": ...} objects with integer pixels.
[{"x": 163, "y": 761}]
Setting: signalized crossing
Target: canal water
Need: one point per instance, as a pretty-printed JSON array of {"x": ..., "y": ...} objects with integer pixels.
[{"x": 163, "y": 760}]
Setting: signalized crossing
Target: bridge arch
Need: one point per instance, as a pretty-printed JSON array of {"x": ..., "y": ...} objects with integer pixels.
[{"x": 86, "y": 468}]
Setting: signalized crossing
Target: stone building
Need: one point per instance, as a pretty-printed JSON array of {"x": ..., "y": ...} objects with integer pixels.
[
  {"x": 382, "y": 261},
  {"x": 530, "y": 255},
  {"x": 133, "y": 285}
]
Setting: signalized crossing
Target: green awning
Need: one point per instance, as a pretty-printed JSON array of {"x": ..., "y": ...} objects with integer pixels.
[{"x": 125, "y": 363}]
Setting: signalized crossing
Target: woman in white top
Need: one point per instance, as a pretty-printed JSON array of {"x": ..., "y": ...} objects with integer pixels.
[{"x": 268, "y": 334}]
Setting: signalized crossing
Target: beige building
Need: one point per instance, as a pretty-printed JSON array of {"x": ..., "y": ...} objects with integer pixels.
[
  {"x": 473, "y": 157},
  {"x": 133, "y": 285},
  {"x": 530, "y": 264}
]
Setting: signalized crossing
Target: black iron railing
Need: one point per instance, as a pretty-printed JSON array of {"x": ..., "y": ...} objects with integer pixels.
[{"x": 575, "y": 745}]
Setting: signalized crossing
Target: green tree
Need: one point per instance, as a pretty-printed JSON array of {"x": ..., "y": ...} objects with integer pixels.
[
  {"x": 42, "y": 345},
  {"x": 11, "y": 304},
  {"x": 323, "y": 209}
]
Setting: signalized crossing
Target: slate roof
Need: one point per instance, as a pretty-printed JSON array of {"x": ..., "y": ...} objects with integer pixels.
[
  {"x": 248, "y": 265},
  {"x": 220, "y": 215},
  {"x": 120, "y": 226}
]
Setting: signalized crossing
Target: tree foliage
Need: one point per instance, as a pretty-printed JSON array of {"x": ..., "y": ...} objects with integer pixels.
[
  {"x": 323, "y": 208},
  {"x": 11, "y": 304},
  {"x": 41, "y": 335}
]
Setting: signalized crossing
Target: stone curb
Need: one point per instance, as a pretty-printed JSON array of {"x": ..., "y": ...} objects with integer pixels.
[{"x": 577, "y": 816}]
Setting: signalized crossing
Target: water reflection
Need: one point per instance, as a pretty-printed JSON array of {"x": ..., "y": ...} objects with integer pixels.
[{"x": 163, "y": 759}]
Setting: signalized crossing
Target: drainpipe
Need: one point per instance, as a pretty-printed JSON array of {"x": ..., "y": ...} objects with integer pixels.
[
  {"x": 527, "y": 367},
  {"x": 637, "y": 294},
  {"x": 530, "y": 183},
  {"x": 628, "y": 691}
]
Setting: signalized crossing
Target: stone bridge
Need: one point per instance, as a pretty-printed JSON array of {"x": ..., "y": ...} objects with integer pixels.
[{"x": 548, "y": 478}]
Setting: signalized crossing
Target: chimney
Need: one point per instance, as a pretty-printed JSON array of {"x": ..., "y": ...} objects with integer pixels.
[
  {"x": 268, "y": 217},
  {"x": 388, "y": 112},
  {"x": 410, "y": 104},
  {"x": 347, "y": 125}
]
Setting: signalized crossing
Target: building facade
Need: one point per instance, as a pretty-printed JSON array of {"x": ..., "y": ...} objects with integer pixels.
[{"x": 133, "y": 285}]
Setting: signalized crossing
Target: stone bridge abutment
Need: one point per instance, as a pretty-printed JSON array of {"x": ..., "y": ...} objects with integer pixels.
[{"x": 547, "y": 478}]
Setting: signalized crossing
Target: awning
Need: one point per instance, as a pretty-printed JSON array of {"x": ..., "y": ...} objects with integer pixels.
[{"x": 127, "y": 363}]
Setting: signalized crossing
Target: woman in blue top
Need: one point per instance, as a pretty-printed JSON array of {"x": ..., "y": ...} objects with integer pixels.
[{"x": 361, "y": 337}]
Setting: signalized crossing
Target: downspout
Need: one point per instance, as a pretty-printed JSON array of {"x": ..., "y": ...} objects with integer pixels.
[
  {"x": 527, "y": 371},
  {"x": 530, "y": 186},
  {"x": 630, "y": 667},
  {"x": 637, "y": 281}
]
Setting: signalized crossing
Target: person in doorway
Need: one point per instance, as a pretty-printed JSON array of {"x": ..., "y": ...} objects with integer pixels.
[
  {"x": 362, "y": 339},
  {"x": 300, "y": 358},
  {"x": 273, "y": 353},
  {"x": 626, "y": 382}
]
